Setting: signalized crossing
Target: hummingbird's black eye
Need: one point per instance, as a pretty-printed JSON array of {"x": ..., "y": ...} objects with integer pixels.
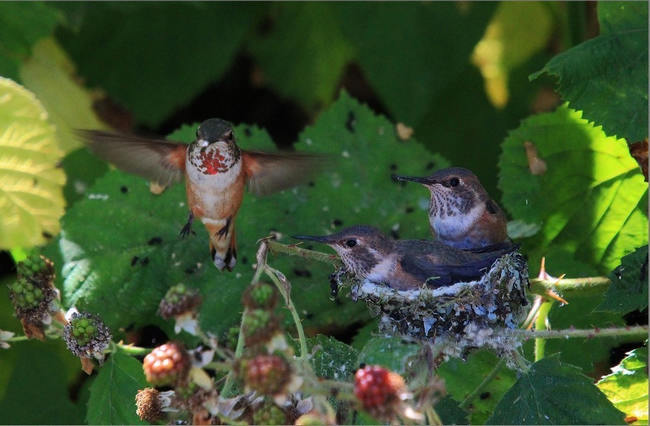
[
  {"x": 454, "y": 181},
  {"x": 351, "y": 243}
]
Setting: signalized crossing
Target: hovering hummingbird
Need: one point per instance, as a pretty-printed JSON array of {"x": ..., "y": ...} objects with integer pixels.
[
  {"x": 405, "y": 264},
  {"x": 461, "y": 213},
  {"x": 215, "y": 169}
]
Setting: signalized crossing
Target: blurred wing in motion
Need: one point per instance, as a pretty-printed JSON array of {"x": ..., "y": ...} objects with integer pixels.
[
  {"x": 271, "y": 172},
  {"x": 157, "y": 160}
]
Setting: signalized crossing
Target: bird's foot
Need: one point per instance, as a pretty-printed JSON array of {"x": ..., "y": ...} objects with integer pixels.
[{"x": 187, "y": 228}]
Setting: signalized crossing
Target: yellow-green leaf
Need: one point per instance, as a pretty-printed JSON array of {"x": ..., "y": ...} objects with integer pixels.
[
  {"x": 627, "y": 386},
  {"x": 31, "y": 186},
  {"x": 49, "y": 74},
  {"x": 516, "y": 32}
]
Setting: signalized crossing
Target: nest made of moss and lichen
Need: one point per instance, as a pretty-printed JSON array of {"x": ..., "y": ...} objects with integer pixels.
[{"x": 465, "y": 313}]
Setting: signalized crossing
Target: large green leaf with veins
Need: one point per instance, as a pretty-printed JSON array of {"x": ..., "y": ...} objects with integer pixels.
[
  {"x": 629, "y": 289},
  {"x": 120, "y": 248},
  {"x": 607, "y": 77},
  {"x": 163, "y": 54},
  {"x": 554, "y": 393},
  {"x": 590, "y": 202}
]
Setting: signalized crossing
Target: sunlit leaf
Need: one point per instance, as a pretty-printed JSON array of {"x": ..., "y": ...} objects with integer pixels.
[
  {"x": 50, "y": 75},
  {"x": 591, "y": 201},
  {"x": 303, "y": 53},
  {"x": 607, "y": 77},
  {"x": 629, "y": 289},
  {"x": 31, "y": 198},
  {"x": 554, "y": 393},
  {"x": 627, "y": 386},
  {"x": 516, "y": 32},
  {"x": 112, "y": 394}
]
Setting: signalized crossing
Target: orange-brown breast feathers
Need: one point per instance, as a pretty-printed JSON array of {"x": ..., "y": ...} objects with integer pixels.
[
  {"x": 271, "y": 172},
  {"x": 158, "y": 160}
]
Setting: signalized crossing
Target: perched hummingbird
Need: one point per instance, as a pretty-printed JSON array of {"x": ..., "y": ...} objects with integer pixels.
[
  {"x": 461, "y": 213},
  {"x": 215, "y": 169},
  {"x": 405, "y": 264}
]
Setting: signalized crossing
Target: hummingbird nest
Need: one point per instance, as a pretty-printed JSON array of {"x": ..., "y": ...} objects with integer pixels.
[{"x": 460, "y": 316}]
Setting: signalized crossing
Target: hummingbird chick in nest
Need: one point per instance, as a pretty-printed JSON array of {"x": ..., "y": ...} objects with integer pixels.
[
  {"x": 461, "y": 212},
  {"x": 405, "y": 264}
]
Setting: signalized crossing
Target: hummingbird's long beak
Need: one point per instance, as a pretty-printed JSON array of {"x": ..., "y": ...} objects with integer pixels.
[
  {"x": 422, "y": 180},
  {"x": 325, "y": 239}
]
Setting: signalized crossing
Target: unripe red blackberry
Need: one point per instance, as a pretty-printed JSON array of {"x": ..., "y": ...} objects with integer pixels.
[
  {"x": 179, "y": 300},
  {"x": 378, "y": 389},
  {"x": 167, "y": 364},
  {"x": 86, "y": 335},
  {"x": 266, "y": 374},
  {"x": 269, "y": 414},
  {"x": 260, "y": 296}
]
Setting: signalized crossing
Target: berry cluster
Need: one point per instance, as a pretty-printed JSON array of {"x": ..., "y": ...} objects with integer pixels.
[
  {"x": 148, "y": 406},
  {"x": 86, "y": 335},
  {"x": 33, "y": 292},
  {"x": 260, "y": 296},
  {"x": 378, "y": 389},
  {"x": 25, "y": 294},
  {"x": 269, "y": 414},
  {"x": 266, "y": 374},
  {"x": 179, "y": 300},
  {"x": 259, "y": 326},
  {"x": 167, "y": 364}
]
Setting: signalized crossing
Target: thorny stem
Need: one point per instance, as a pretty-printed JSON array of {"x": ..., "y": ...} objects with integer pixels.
[
  {"x": 479, "y": 389},
  {"x": 270, "y": 272},
  {"x": 635, "y": 331},
  {"x": 541, "y": 323}
]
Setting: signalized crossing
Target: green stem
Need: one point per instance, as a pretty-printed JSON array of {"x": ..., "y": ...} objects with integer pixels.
[
  {"x": 293, "y": 250},
  {"x": 540, "y": 324},
  {"x": 133, "y": 350},
  {"x": 219, "y": 366},
  {"x": 292, "y": 308},
  {"x": 639, "y": 331},
  {"x": 479, "y": 389},
  {"x": 432, "y": 416},
  {"x": 239, "y": 349},
  {"x": 17, "y": 339}
]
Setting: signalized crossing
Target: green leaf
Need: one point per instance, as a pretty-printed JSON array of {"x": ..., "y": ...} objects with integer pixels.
[
  {"x": 51, "y": 76},
  {"x": 410, "y": 52},
  {"x": 158, "y": 62},
  {"x": 82, "y": 170},
  {"x": 21, "y": 25},
  {"x": 36, "y": 390},
  {"x": 112, "y": 394},
  {"x": 555, "y": 393},
  {"x": 390, "y": 352},
  {"x": 627, "y": 386},
  {"x": 113, "y": 271},
  {"x": 517, "y": 31},
  {"x": 591, "y": 201},
  {"x": 450, "y": 412},
  {"x": 333, "y": 359},
  {"x": 463, "y": 377},
  {"x": 303, "y": 54},
  {"x": 629, "y": 288},
  {"x": 31, "y": 198},
  {"x": 607, "y": 77}
]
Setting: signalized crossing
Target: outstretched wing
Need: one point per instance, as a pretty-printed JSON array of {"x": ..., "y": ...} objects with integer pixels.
[
  {"x": 154, "y": 159},
  {"x": 271, "y": 172}
]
